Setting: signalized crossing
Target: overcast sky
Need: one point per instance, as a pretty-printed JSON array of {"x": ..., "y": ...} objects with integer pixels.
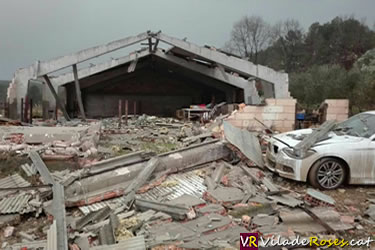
[{"x": 33, "y": 30}]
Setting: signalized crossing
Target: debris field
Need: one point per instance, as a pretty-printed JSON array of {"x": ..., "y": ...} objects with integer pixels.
[{"x": 158, "y": 183}]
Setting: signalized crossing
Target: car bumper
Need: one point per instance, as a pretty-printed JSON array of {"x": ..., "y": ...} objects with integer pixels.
[{"x": 284, "y": 165}]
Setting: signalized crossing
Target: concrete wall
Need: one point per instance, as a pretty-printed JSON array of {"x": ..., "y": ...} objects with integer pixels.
[
  {"x": 279, "y": 114},
  {"x": 338, "y": 109}
]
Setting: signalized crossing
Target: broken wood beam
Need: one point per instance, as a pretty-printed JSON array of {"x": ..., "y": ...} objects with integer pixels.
[
  {"x": 78, "y": 92},
  {"x": 58, "y": 102}
]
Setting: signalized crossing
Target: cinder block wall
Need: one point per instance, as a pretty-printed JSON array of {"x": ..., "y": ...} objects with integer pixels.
[
  {"x": 279, "y": 114},
  {"x": 338, "y": 109}
]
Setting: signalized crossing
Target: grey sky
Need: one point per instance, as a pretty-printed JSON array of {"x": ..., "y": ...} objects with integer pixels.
[{"x": 33, "y": 30}]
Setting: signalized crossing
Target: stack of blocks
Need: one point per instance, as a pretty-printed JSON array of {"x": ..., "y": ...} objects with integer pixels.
[
  {"x": 278, "y": 114},
  {"x": 337, "y": 109}
]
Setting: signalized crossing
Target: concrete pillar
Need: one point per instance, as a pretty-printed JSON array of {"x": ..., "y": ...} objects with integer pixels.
[{"x": 251, "y": 95}]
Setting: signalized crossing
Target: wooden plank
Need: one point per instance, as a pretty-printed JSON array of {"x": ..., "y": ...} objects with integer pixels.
[
  {"x": 58, "y": 102},
  {"x": 78, "y": 92}
]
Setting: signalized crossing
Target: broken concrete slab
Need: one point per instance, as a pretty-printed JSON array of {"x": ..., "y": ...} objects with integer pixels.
[
  {"x": 371, "y": 211},
  {"x": 211, "y": 208},
  {"x": 210, "y": 222},
  {"x": 187, "y": 200},
  {"x": 225, "y": 195},
  {"x": 245, "y": 141},
  {"x": 251, "y": 209},
  {"x": 215, "y": 240},
  {"x": 111, "y": 184},
  {"x": 119, "y": 161},
  {"x": 265, "y": 219},
  {"x": 93, "y": 217},
  {"x": 177, "y": 212},
  {"x": 314, "y": 197},
  {"x": 301, "y": 222},
  {"x": 286, "y": 199},
  {"x": 301, "y": 148}
]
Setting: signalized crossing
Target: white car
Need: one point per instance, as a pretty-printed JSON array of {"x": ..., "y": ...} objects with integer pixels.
[{"x": 345, "y": 155}]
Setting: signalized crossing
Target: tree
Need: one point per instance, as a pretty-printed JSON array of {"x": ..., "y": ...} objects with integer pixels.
[
  {"x": 341, "y": 41},
  {"x": 249, "y": 36}
]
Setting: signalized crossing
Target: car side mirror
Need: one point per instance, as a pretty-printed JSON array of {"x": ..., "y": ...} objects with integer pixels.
[{"x": 372, "y": 138}]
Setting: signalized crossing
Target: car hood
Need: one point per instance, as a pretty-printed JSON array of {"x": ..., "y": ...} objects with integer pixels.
[{"x": 292, "y": 138}]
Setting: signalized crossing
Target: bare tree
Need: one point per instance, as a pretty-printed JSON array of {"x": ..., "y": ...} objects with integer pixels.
[{"x": 249, "y": 36}]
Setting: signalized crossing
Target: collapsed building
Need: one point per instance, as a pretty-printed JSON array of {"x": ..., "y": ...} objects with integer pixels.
[
  {"x": 140, "y": 185},
  {"x": 156, "y": 80}
]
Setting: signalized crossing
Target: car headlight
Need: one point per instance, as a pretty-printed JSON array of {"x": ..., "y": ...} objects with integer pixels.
[{"x": 290, "y": 152}]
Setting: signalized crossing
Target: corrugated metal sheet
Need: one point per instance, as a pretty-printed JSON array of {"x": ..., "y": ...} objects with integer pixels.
[
  {"x": 12, "y": 181},
  {"x": 30, "y": 170},
  {"x": 187, "y": 183},
  {"x": 134, "y": 243},
  {"x": 16, "y": 204}
]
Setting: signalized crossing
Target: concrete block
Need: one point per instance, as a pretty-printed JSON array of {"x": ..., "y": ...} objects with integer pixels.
[
  {"x": 271, "y": 116},
  {"x": 236, "y": 123},
  {"x": 288, "y": 124},
  {"x": 244, "y": 116},
  {"x": 286, "y": 117},
  {"x": 286, "y": 101},
  {"x": 290, "y": 109},
  {"x": 270, "y": 101},
  {"x": 331, "y": 117},
  {"x": 342, "y": 102},
  {"x": 252, "y": 109},
  {"x": 338, "y": 110},
  {"x": 273, "y": 109},
  {"x": 331, "y": 102},
  {"x": 277, "y": 124}
]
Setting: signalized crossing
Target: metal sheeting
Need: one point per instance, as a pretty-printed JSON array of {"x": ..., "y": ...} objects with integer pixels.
[
  {"x": 16, "y": 204},
  {"x": 245, "y": 141},
  {"x": 29, "y": 170},
  {"x": 186, "y": 183},
  {"x": 12, "y": 181},
  {"x": 134, "y": 243}
]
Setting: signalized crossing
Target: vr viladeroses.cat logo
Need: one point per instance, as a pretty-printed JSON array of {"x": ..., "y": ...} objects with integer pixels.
[{"x": 249, "y": 241}]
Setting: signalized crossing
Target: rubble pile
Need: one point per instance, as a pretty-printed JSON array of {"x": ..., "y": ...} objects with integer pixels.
[
  {"x": 149, "y": 133},
  {"x": 55, "y": 142},
  {"x": 199, "y": 195}
]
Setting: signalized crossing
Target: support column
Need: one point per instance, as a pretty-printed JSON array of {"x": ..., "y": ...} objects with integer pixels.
[
  {"x": 58, "y": 102},
  {"x": 78, "y": 92},
  {"x": 251, "y": 95}
]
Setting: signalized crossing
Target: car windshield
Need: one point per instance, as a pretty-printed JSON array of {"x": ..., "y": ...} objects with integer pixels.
[{"x": 362, "y": 125}]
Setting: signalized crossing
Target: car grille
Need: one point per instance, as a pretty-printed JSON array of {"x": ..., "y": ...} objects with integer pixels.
[{"x": 275, "y": 149}]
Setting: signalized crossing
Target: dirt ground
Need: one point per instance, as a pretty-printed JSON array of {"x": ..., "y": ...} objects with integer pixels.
[{"x": 351, "y": 200}]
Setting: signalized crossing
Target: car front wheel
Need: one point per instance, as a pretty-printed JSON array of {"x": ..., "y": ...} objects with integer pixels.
[{"x": 328, "y": 173}]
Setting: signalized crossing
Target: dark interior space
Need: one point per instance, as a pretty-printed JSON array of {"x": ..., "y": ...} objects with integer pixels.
[{"x": 155, "y": 87}]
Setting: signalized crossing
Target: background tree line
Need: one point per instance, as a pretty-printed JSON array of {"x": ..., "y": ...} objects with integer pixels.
[{"x": 331, "y": 60}]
